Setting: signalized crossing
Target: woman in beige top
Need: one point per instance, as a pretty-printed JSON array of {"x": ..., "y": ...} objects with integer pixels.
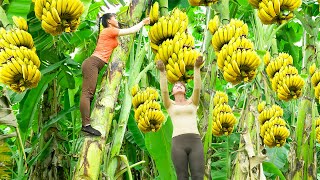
[{"x": 187, "y": 148}]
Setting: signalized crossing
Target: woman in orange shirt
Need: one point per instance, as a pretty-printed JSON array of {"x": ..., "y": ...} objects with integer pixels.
[{"x": 107, "y": 42}]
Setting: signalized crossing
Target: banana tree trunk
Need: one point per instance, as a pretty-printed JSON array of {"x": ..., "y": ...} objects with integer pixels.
[
  {"x": 303, "y": 161},
  {"x": 48, "y": 168},
  {"x": 93, "y": 148},
  {"x": 248, "y": 163},
  {"x": 113, "y": 162}
]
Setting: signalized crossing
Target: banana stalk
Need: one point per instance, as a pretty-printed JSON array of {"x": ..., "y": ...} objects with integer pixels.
[
  {"x": 303, "y": 166},
  {"x": 89, "y": 161},
  {"x": 208, "y": 141},
  {"x": 163, "y": 7},
  {"x": 224, "y": 11},
  {"x": 249, "y": 159}
]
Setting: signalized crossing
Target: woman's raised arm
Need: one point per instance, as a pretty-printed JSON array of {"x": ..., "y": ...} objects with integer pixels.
[
  {"x": 197, "y": 81},
  {"x": 134, "y": 28},
  {"x": 164, "y": 85}
]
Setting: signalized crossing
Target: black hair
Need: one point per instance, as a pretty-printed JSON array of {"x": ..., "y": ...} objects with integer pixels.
[{"x": 104, "y": 20}]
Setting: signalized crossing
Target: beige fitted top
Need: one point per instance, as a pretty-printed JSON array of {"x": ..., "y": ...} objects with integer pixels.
[{"x": 183, "y": 116}]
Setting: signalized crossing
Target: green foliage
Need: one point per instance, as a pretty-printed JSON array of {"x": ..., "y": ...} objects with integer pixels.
[
  {"x": 18, "y": 8},
  {"x": 159, "y": 146},
  {"x": 61, "y": 58},
  {"x": 29, "y": 105},
  {"x": 223, "y": 152},
  {"x": 134, "y": 135},
  {"x": 277, "y": 163},
  {"x": 271, "y": 168}
]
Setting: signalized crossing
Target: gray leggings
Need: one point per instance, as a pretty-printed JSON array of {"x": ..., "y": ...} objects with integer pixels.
[{"x": 188, "y": 149}]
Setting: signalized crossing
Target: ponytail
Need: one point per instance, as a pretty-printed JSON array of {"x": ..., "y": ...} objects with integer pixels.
[
  {"x": 104, "y": 21},
  {"x": 99, "y": 26}
]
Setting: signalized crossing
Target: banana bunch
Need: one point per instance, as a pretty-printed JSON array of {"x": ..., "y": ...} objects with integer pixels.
[
  {"x": 19, "y": 64},
  {"x": 20, "y": 23},
  {"x": 142, "y": 96},
  {"x": 225, "y": 33},
  {"x": 275, "y": 132},
  {"x": 154, "y": 13},
  {"x": 170, "y": 46},
  {"x": 273, "y": 128},
  {"x": 168, "y": 26},
  {"x": 315, "y": 79},
  {"x": 318, "y": 129},
  {"x": 266, "y": 113},
  {"x": 238, "y": 60},
  {"x": 274, "y": 65},
  {"x": 16, "y": 38},
  {"x": 220, "y": 98},
  {"x": 275, "y": 11},
  {"x": 59, "y": 16},
  {"x": 135, "y": 89},
  {"x": 214, "y": 24},
  {"x": 147, "y": 111},
  {"x": 223, "y": 117},
  {"x": 179, "y": 63},
  {"x": 284, "y": 77},
  {"x": 26, "y": 55},
  {"x": 202, "y": 2}
]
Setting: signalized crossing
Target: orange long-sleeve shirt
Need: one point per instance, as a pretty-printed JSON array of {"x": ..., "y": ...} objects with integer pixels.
[{"x": 107, "y": 42}]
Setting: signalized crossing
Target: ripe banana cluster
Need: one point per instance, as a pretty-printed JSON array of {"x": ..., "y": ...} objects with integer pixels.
[
  {"x": 59, "y": 16},
  {"x": 221, "y": 35},
  {"x": 223, "y": 117},
  {"x": 167, "y": 26},
  {"x": 19, "y": 64},
  {"x": 178, "y": 64},
  {"x": 154, "y": 13},
  {"x": 236, "y": 56},
  {"x": 202, "y": 2},
  {"x": 173, "y": 45},
  {"x": 318, "y": 129},
  {"x": 16, "y": 38},
  {"x": 275, "y": 11},
  {"x": 20, "y": 23},
  {"x": 214, "y": 24},
  {"x": 315, "y": 79},
  {"x": 273, "y": 128},
  {"x": 165, "y": 50},
  {"x": 284, "y": 77},
  {"x": 220, "y": 98},
  {"x": 147, "y": 111},
  {"x": 238, "y": 61}
]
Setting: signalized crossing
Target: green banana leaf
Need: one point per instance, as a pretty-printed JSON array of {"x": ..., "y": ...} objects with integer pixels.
[
  {"x": 159, "y": 147},
  {"x": 136, "y": 133},
  {"x": 29, "y": 105},
  {"x": 18, "y": 8}
]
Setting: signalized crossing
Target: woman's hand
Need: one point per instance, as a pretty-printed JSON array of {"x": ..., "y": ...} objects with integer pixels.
[
  {"x": 160, "y": 66},
  {"x": 146, "y": 21},
  {"x": 199, "y": 61}
]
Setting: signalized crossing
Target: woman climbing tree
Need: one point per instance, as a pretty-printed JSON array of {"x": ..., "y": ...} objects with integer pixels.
[
  {"x": 107, "y": 42},
  {"x": 187, "y": 148}
]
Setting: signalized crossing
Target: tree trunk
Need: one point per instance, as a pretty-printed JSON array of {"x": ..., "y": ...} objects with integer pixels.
[
  {"x": 93, "y": 149},
  {"x": 303, "y": 152},
  {"x": 49, "y": 168}
]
